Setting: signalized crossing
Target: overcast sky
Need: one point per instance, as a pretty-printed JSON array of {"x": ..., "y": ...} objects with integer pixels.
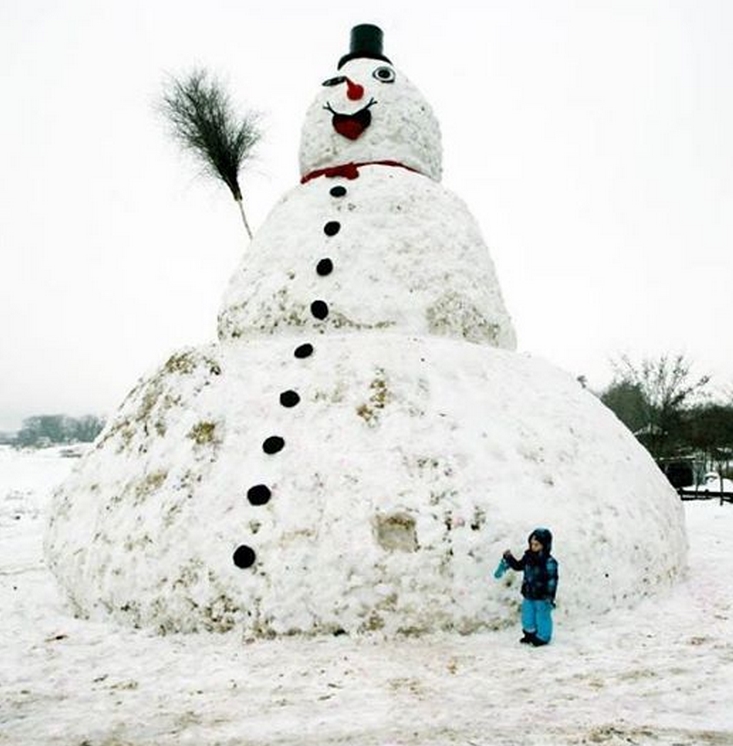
[{"x": 591, "y": 140}]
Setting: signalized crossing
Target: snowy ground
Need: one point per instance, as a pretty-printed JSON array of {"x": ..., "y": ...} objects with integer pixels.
[{"x": 661, "y": 674}]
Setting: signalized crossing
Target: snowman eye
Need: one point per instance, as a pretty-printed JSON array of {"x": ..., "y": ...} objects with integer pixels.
[
  {"x": 334, "y": 81},
  {"x": 384, "y": 74}
]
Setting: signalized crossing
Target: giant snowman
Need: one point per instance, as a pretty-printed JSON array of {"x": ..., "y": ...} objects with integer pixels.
[{"x": 362, "y": 442}]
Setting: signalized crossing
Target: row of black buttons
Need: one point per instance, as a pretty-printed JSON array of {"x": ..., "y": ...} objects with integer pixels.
[{"x": 260, "y": 494}]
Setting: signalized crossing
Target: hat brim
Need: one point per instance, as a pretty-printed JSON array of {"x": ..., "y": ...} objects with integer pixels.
[{"x": 362, "y": 55}]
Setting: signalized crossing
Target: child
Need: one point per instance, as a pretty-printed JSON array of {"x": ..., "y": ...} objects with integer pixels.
[{"x": 538, "y": 587}]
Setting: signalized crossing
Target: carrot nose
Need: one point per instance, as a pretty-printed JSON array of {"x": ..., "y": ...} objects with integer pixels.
[{"x": 355, "y": 91}]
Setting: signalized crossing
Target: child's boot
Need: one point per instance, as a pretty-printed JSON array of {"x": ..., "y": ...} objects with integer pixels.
[{"x": 529, "y": 638}]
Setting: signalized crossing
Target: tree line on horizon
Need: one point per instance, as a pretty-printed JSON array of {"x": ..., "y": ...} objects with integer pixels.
[{"x": 44, "y": 430}]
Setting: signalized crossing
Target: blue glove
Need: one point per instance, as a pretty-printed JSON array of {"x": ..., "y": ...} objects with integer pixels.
[{"x": 501, "y": 568}]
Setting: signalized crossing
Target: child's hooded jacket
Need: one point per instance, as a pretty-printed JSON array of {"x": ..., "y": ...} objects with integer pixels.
[{"x": 540, "y": 569}]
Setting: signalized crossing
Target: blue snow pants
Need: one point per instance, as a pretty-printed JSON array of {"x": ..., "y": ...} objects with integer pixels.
[{"x": 537, "y": 618}]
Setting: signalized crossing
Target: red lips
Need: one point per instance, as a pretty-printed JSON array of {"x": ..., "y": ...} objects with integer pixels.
[{"x": 352, "y": 126}]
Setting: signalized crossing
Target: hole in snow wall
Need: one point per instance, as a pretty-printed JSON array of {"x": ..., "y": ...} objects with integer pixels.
[{"x": 396, "y": 532}]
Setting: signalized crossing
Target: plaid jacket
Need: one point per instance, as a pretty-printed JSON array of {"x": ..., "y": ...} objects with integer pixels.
[{"x": 540, "y": 575}]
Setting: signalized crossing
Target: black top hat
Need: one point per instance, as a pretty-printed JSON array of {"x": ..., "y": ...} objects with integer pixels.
[{"x": 366, "y": 41}]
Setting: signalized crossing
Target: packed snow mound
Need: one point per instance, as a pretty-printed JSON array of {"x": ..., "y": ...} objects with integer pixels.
[
  {"x": 371, "y": 484},
  {"x": 390, "y": 250},
  {"x": 398, "y": 123}
]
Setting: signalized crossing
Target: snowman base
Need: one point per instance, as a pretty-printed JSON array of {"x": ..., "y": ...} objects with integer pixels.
[{"x": 404, "y": 466}]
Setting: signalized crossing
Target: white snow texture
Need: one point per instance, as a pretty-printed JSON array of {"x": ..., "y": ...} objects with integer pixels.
[{"x": 359, "y": 464}]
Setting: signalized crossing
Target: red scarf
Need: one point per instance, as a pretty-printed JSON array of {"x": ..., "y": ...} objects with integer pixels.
[{"x": 350, "y": 170}]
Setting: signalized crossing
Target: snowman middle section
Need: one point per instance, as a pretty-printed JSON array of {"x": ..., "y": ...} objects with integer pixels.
[{"x": 390, "y": 250}]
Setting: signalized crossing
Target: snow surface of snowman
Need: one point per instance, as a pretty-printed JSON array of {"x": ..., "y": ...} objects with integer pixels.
[{"x": 362, "y": 443}]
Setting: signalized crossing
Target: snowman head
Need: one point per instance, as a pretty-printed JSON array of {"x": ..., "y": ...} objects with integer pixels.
[{"x": 367, "y": 112}]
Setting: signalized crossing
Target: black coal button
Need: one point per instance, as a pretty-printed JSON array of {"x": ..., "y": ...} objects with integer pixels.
[
  {"x": 289, "y": 398},
  {"x": 305, "y": 350},
  {"x": 244, "y": 556},
  {"x": 259, "y": 494},
  {"x": 324, "y": 267},
  {"x": 273, "y": 444},
  {"x": 319, "y": 309}
]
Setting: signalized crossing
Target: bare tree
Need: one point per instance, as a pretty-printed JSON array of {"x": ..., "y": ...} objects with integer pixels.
[
  {"x": 665, "y": 387},
  {"x": 203, "y": 121},
  {"x": 627, "y": 401}
]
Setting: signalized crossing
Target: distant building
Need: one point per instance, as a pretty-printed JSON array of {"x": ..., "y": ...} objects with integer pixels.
[{"x": 683, "y": 471}]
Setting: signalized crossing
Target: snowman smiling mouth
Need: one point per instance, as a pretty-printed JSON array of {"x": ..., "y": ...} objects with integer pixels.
[{"x": 353, "y": 125}]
